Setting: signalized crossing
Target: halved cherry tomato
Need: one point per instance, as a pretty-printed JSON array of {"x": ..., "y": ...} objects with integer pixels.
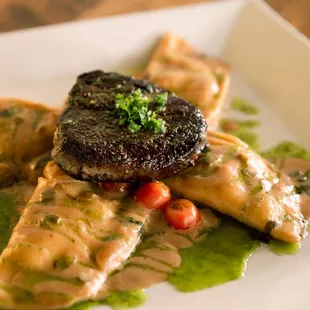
[
  {"x": 182, "y": 214},
  {"x": 115, "y": 187},
  {"x": 153, "y": 195}
]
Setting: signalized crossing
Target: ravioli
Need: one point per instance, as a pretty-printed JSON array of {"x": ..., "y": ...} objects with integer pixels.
[
  {"x": 158, "y": 256},
  {"x": 70, "y": 237},
  {"x": 236, "y": 181},
  {"x": 200, "y": 79},
  {"x": 26, "y": 133}
]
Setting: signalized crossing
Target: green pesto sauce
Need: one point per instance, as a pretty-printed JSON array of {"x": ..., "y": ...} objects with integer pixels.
[
  {"x": 219, "y": 258},
  {"x": 250, "y": 138},
  {"x": 123, "y": 300},
  {"x": 84, "y": 305},
  {"x": 242, "y": 105},
  {"x": 8, "y": 217},
  {"x": 281, "y": 248},
  {"x": 287, "y": 149},
  {"x": 118, "y": 301}
]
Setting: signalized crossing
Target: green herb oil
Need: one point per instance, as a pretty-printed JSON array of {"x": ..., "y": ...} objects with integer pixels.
[
  {"x": 242, "y": 105},
  {"x": 8, "y": 217},
  {"x": 287, "y": 149},
  {"x": 281, "y": 248},
  {"x": 219, "y": 258}
]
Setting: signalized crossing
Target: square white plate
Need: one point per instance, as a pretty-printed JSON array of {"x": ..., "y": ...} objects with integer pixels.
[{"x": 271, "y": 64}]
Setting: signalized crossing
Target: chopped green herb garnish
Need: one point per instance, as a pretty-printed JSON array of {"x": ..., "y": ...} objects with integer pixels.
[
  {"x": 111, "y": 237},
  {"x": 161, "y": 99},
  {"x": 49, "y": 221},
  {"x": 130, "y": 220},
  {"x": 256, "y": 189},
  {"x": 135, "y": 113},
  {"x": 63, "y": 262},
  {"x": 133, "y": 221}
]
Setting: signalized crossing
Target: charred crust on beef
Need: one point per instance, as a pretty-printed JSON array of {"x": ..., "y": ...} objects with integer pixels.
[{"x": 90, "y": 144}]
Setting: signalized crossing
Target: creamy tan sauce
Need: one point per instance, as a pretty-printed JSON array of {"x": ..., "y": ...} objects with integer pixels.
[
  {"x": 158, "y": 255},
  {"x": 238, "y": 182},
  {"x": 299, "y": 171}
]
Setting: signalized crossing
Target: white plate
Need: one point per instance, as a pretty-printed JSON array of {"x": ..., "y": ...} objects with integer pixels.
[{"x": 271, "y": 62}]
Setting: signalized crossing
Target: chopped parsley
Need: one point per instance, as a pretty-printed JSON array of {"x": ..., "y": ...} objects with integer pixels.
[
  {"x": 256, "y": 189},
  {"x": 130, "y": 220},
  {"x": 134, "y": 111},
  {"x": 63, "y": 262},
  {"x": 111, "y": 237},
  {"x": 49, "y": 221},
  {"x": 161, "y": 99}
]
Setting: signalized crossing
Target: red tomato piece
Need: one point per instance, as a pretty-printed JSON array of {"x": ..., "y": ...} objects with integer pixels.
[
  {"x": 182, "y": 214},
  {"x": 153, "y": 195},
  {"x": 115, "y": 187}
]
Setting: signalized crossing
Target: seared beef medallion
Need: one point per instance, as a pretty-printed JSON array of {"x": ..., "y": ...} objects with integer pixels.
[{"x": 94, "y": 142}]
